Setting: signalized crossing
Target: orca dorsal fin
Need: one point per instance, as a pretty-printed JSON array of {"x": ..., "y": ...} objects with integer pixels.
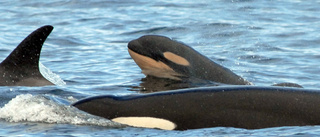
[{"x": 21, "y": 67}]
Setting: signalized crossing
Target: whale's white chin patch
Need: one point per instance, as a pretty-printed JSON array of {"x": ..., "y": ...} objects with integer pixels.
[
  {"x": 146, "y": 122},
  {"x": 155, "y": 68}
]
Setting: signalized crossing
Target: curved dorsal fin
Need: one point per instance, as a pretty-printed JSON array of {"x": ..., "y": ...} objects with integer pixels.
[{"x": 21, "y": 67}]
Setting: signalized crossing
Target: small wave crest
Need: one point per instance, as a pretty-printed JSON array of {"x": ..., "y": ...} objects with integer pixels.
[
  {"x": 38, "y": 108},
  {"x": 49, "y": 75}
]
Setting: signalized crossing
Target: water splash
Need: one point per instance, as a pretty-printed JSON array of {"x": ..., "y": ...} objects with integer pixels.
[
  {"x": 37, "y": 108},
  {"x": 49, "y": 75}
]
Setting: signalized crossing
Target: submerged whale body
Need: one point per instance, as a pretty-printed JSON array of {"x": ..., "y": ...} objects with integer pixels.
[
  {"x": 21, "y": 67},
  {"x": 162, "y": 57},
  {"x": 250, "y": 107}
]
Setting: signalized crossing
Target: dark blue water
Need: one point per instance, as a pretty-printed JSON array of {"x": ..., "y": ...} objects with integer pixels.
[{"x": 266, "y": 42}]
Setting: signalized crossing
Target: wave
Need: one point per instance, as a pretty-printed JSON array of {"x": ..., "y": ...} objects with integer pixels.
[
  {"x": 155, "y": 30},
  {"x": 38, "y": 108}
]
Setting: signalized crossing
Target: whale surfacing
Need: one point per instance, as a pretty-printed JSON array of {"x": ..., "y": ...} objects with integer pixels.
[{"x": 162, "y": 57}]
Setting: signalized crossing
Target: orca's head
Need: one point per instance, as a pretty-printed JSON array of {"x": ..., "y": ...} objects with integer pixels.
[{"x": 160, "y": 56}]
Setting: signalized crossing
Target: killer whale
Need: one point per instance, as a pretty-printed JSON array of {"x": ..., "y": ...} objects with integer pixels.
[
  {"x": 162, "y": 57},
  {"x": 176, "y": 65},
  {"x": 21, "y": 67},
  {"x": 250, "y": 107}
]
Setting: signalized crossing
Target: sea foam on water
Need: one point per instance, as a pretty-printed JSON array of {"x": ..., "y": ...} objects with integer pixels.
[{"x": 37, "y": 108}]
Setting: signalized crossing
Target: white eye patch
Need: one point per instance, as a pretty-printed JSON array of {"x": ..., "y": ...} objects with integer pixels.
[
  {"x": 152, "y": 67},
  {"x": 176, "y": 58}
]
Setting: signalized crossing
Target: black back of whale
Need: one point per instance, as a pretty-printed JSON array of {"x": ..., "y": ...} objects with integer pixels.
[
  {"x": 21, "y": 67},
  {"x": 248, "y": 107}
]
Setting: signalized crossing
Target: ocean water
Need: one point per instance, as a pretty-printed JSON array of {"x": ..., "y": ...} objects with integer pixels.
[{"x": 266, "y": 42}]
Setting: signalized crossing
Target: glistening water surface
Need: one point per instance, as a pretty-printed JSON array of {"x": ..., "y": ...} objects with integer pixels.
[{"x": 266, "y": 42}]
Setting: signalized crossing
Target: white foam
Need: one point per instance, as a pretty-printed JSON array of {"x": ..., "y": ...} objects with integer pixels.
[
  {"x": 49, "y": 75},
  {"x": 37, "y": 108}
]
